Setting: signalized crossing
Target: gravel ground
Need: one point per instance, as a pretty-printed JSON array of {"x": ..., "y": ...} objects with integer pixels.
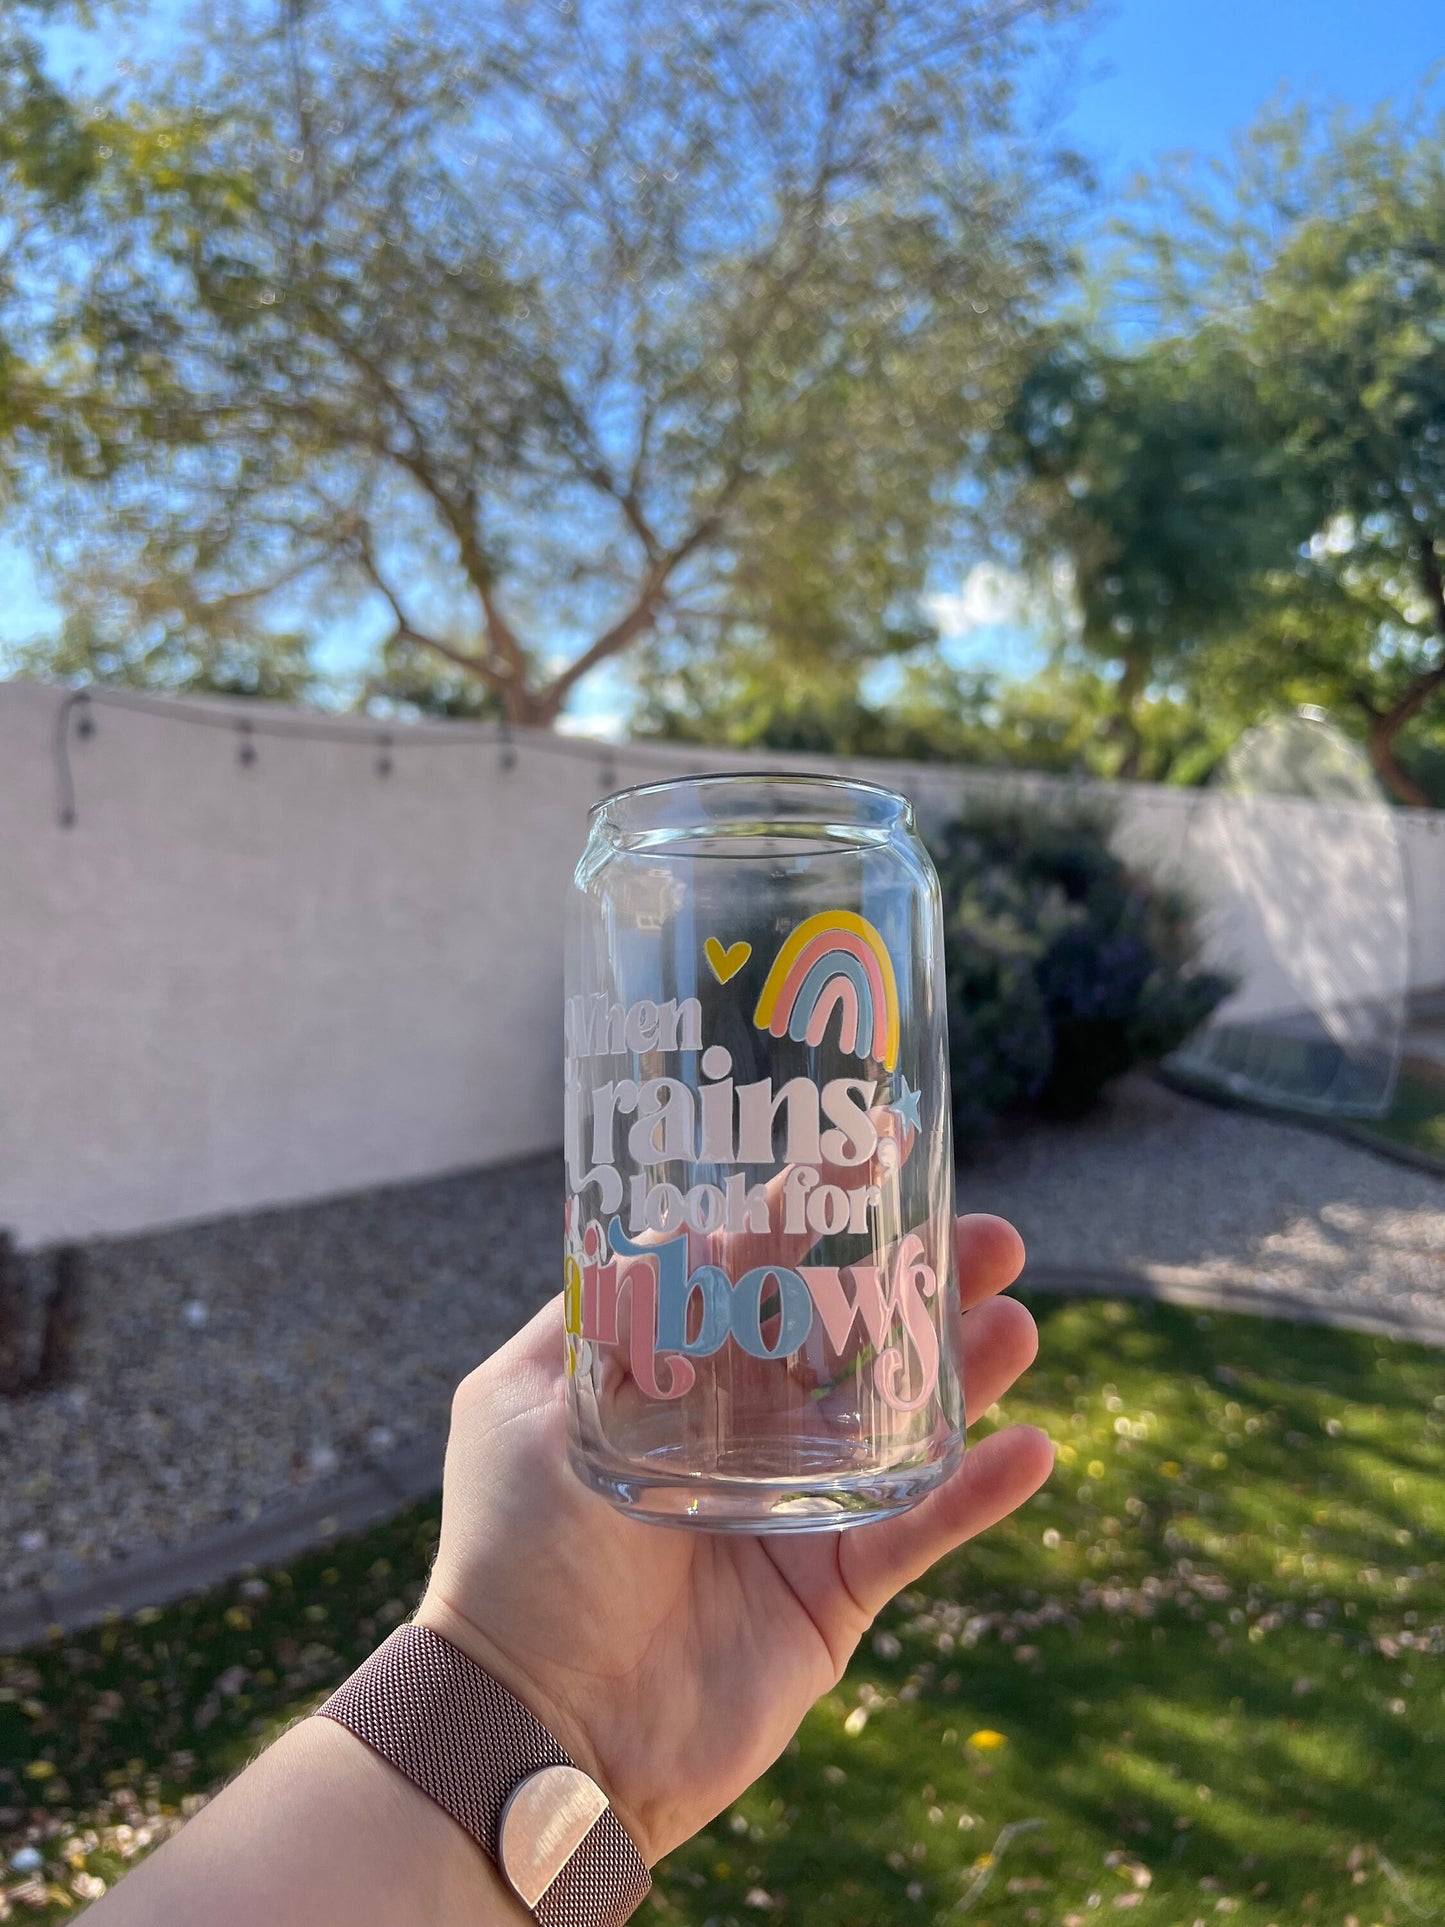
[
  {"x": 1160, "y": 1181},
  {"x": 226, "y": 1367}
]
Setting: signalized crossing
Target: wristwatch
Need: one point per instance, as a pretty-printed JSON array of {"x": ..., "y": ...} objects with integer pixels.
[{"x": 423, "y": 1705}]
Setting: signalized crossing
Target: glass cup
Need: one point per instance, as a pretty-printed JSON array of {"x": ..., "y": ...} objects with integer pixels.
[{"x": 760, "y": 1294}]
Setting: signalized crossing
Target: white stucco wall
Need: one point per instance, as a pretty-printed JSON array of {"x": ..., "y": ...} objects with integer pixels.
[{"x": 229, "y": 986}]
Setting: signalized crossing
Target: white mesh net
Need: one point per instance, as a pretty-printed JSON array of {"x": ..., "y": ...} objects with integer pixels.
[{"x": 1294, "y": 856}]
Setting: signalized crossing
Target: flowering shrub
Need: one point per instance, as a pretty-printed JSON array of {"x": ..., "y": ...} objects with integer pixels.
[{"x": 1064, "y": 968}]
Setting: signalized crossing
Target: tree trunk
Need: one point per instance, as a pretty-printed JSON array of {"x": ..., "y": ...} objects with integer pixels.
[
  {"x": 1386, "y": 725},
  {"x": 1123, "y": 726},
  {"x": 1385, "y": 728},
  {"x": 1399, "y": 782},
  {"x": 530, "y": 708}
]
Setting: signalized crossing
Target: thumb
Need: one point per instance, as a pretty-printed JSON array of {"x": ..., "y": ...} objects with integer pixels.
[{"x": 996, "y": 1477}]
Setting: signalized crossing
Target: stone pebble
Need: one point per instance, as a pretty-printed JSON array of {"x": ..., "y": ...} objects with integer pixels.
[
  {"x": 333, "y": 1331},
  {"x": 1154, "y": 1179}
]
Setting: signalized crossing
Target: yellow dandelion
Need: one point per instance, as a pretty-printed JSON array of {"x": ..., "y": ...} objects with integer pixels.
[{"x": 986, "y": 1740}]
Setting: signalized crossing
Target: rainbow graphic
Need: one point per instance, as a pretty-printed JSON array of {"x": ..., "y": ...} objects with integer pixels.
[{"x": 834, "y": 961}]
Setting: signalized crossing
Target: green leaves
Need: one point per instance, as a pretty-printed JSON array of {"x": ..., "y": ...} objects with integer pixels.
[
  {"x": 46, "y": 146},
  {"x": 1063, "y": 969},
  {"x": 529, "y": 333},
  {"x": 1246, "y": 472},
  {"x": 1158, "y": 474}
]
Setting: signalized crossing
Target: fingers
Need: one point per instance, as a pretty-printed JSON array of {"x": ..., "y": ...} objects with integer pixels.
[
  {"x": 1000, "y": 1341},
  {"x": 539, "y": 1342},
  {"x": 996, "y": 1477},
  {"x": 999, "y": 1473},
  {"x": 738, "y": 1252},
  {"x": 990, "y": 1256}
]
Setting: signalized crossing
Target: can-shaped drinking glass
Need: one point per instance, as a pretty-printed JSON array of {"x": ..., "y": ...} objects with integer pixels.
[{"x": 760, "y": 1295}]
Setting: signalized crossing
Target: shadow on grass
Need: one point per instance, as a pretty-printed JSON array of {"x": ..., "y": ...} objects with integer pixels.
[
  {"x": 1213, "y": 1650},
  {"x": 1209, "y": 1661}
]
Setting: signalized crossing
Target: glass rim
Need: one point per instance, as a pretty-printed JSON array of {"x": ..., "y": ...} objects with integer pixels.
[{"x": 793, "y": 779}]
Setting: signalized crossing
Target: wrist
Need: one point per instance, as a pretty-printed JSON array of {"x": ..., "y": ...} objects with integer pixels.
[
  {"x": 432, "y": 1854},
  {"x": 318, "y": 1828},
  {"x": 561, "y": 1720},
  {"x": 444, "y": 1716}
]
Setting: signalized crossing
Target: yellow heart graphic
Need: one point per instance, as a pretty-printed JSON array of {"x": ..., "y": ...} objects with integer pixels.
[{"x": 726, "y": 963}]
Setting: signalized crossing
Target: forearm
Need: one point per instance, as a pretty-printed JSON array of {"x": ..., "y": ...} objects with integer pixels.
[{"x": 318, "y": 1830}]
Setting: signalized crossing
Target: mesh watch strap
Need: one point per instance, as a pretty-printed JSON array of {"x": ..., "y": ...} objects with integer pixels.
[{"x": 467, "y": 1743}]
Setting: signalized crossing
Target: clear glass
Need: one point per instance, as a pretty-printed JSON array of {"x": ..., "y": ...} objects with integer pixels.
[{"x": 761, "y": 1306}]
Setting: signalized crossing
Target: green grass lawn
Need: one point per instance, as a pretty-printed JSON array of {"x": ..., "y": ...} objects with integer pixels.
[{"x": 1202, "y": 1677}]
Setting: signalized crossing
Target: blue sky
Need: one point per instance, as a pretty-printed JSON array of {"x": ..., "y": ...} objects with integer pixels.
[
  {"x": 1155, "y": 76},
  {"x": 1161, "y": 75},
  {"x": 1168, "y": 76}
]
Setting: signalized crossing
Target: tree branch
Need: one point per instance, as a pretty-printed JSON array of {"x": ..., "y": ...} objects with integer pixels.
[
  {"x": 1414, "y": 699},
  {"x": 1386, "y": 724},
  {"x": 504, "y": 639},
  {"x": 460, "y": 517},
  {"x": 406, "y": 632},
  {"x": 476, "y": 666},
  {"x": 648, "y": 600}
]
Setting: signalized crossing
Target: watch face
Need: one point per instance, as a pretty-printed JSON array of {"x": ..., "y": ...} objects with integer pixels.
[{"x": 545, "y": 1820}]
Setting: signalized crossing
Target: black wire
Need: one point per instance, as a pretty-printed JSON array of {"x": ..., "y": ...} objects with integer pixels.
[
  {"x": 584, "y": 749},
  {"x": 363, "y": 732},
  {"x": 64, "y": 775}
]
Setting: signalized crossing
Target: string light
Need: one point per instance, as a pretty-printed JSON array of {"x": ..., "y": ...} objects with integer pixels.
[{"x": 79, "y": 704}]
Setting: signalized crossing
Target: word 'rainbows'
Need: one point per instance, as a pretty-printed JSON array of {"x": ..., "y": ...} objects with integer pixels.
[{"x": 836, "y": 960}]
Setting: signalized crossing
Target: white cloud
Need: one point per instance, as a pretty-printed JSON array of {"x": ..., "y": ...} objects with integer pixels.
[
  {"x": 605, "y": 725},
  {"x": 988, "y": 597}
]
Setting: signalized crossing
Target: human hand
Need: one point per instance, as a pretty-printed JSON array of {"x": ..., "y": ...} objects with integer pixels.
[{"x": 675, "y": 1665}]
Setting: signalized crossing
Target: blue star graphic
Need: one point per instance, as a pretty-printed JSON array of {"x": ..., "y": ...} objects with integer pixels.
[{"x": 905, "y": 1105}]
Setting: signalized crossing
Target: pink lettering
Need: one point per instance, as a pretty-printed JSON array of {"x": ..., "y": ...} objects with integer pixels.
[
  {"x": 839, "y": 1312},
  {"x": 914, "y": 1280},
  {"x": 641, "y": 1275}
]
